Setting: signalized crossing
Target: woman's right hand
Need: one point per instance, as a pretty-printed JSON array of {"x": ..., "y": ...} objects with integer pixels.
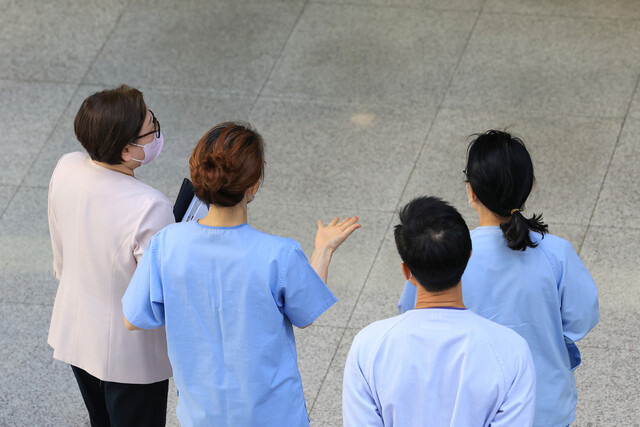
[{"x": 330, "y": 237}]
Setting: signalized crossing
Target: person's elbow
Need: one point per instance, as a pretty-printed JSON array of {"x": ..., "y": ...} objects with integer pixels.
[{"x": 130, "y": 326}]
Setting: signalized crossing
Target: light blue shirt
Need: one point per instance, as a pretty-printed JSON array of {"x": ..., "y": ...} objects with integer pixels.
[
  {"x": 546, "y": 295},
  {"x": 228, "y": 297},
  {"x": 438, "y": 367}
]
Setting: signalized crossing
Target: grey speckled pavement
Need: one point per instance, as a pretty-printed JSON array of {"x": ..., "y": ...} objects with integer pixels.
[{"x": 364, "y": 104}]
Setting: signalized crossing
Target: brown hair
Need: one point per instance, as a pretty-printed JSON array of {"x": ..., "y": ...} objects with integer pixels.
[
  {"x": 109, "y": 120},
  {"x": 226, "y": 162}
]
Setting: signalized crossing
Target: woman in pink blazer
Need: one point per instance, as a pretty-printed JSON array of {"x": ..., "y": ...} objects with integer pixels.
[{"x": 100, "y": 219}]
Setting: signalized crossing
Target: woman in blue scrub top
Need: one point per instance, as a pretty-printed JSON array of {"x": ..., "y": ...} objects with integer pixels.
[
  {"x": 522, "y": 277},
  {"x": 228, "y": 294}
]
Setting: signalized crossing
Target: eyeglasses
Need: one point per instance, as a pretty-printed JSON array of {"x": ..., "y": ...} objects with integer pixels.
[{"x": 156, "y": 127}]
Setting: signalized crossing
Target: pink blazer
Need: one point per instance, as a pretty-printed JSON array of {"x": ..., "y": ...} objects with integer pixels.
[{"x": 100, "y": 223}]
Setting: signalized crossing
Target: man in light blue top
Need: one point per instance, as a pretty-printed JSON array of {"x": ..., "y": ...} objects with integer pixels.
[{"x": 438, "y": 364}]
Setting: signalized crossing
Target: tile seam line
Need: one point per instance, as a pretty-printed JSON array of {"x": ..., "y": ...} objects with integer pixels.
[
  {"x": 326, "y": 99},
  {"x": 32, "y": 80},
  {"x": 214, "y": 92},
  {"x": 602, "y": 347},
  {"x": 392, "y": 6},
  {"x": 277, "y": 61},
  {"x": 615, "y": 227},
  {"x": 537, "y": 113},
  {"x": 560, "y": 16},
  {"x": 323, "y": 206},
  {"x": 373, "y": 262},
  {"x": 524, "y": 113},
  {"x": 440, "y": 106},
  {"x": 319, "y": 205},
  {"x": 36, "y": 186},
  {"x": 28, "y": 304},
  {"x": 488, "y": 12},
  {"x": 83, "y": 81},
  {"x": 37, "y": 156},
  {"x": 58, "y": 121},
  {"x": 349, "y": 328},
  {"x": 613, "y": 152},
  {"x": 327, "y": 326},
  {"x": 324, "y": 377}
]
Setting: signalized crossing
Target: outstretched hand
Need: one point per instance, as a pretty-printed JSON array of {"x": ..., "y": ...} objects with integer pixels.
[
  {"x": 328, "y": 239},
  {"x": 336, "y": 232}
]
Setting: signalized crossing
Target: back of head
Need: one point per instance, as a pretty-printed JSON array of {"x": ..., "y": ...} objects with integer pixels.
[
  {"x": 109, "y": 120},
  {"x": 434, "y": 242},
  {"x": 500, "y": 172},
  {"x": 226, "y": 162}
]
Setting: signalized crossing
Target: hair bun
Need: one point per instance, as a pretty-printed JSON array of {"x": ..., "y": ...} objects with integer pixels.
[
  {"x": 218, "y": 171},
  {"x": 225, "y": 164}
]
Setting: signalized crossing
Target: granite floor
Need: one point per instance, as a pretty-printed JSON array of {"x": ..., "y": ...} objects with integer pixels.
[{"x": 363, "y": 104}]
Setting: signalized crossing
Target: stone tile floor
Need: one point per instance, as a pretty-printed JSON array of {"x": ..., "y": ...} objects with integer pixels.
[{"x": 363, "y": 105}]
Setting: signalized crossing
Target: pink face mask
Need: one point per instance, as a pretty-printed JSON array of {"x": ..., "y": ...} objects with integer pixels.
[{"x": 151, "y": 150}]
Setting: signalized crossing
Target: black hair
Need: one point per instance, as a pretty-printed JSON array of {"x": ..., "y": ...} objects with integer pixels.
[
  {"x": 500, "y": 172},
  {"x": 434, "y": 242}
]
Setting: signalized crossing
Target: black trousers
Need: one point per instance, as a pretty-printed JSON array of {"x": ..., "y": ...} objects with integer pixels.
[{"x": 123, "y": 405}]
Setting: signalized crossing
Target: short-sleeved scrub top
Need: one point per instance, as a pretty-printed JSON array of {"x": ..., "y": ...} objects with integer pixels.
[
  {"x": 438, "y": 367},
  {"x": 546, "y": 295},
  {"x": 228, "y": 297}
]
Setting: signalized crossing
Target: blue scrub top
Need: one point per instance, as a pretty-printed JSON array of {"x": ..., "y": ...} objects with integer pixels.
[
  {"x": 546, "y": 295},
  {"x": 438, "y": 367},
  {"x": 228, "y": 297}
]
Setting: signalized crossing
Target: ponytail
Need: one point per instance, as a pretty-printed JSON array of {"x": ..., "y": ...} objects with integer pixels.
[{"x": 516, "y": 231}]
